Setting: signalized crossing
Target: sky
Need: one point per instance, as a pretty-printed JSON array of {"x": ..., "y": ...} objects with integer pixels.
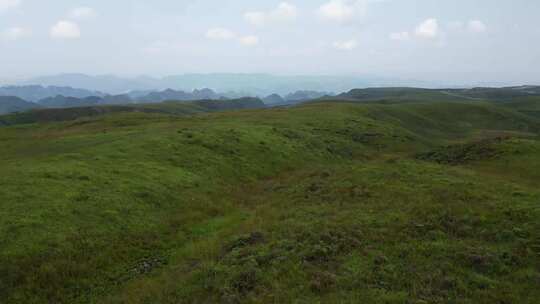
[{"x": 452, "y": 41}]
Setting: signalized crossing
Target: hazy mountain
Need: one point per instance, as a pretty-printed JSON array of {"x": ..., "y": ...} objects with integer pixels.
[
  {"x": 105, "y": 83},
  {"x": 60, "y": 101},
  {"x": 69, "y": 102},
  {"x": 37, "y": 92},
  {"x": 418, "y": 94},
  {"x": 137, "y": 94},
  {"x": 116, "y": 99},
  {"x": 205, "y": 94},
  {"x": 273, "y": 99},
  {"x": 9, "y": 104},
  {"x": 170, "y": 94},
  {"x": 251, "y": 84},
  {"x": 236, "y": 94},
  {"x": 300, "y": 96}
]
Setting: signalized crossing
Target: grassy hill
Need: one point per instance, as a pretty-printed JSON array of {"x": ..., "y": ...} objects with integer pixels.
[
  {"x": 499, "y": 94},
  {"x": 526, "y": 105},
  {"x": 401, "y": 95},
  {"x": 168, "y": 107},
  {"x": 322, "y": 203}
]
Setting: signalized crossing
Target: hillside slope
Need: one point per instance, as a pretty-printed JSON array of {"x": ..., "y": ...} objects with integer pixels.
[
  {"x": 325, "y": 202},
  {"x": 526, "y": 105},
  {"x": 394, "y": 95}
]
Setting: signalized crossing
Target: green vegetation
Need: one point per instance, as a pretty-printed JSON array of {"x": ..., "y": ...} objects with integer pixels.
[
  {"x": 401, "y": 95},
  {"x": 526, "y": 105},
  {"x": 168, "y": 107},
  {"x": 393, "y": 95},
  {"x": 322, "y": 203}
]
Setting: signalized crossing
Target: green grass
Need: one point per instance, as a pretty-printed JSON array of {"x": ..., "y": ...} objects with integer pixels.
[
  {"x": 526, "y": 105},
  {"x": 405, "y": 94},
  {"x": 179, "y": 108},
  {"x": 325, "y": 202}
]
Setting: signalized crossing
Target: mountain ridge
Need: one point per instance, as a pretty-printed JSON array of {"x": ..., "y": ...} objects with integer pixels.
[
  {"x": 259, "y": 84},
  {"x": 36, "y": 92}
]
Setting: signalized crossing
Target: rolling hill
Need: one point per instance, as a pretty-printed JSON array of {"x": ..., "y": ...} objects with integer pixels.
[
  {"x": 371, "y": 95},
  {"x": 69, "y": 102},
  {"x": 10, "y": 104},
  {"x": 417, "y": 94},
  {"x": 274, "y": 99},
  {"x": 169, "y": 107},
  {"x": 526, "y": 105},
  {"x": 326, "y": 202}
]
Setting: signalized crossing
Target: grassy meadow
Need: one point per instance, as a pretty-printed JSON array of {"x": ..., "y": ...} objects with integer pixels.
[{"x": 326, "y": 202}]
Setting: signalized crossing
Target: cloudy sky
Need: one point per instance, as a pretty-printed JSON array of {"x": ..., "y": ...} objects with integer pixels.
[{"x": 442, "y": 40}]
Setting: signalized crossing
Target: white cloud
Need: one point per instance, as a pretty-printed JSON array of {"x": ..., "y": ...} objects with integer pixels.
[
  {"x": 249, "y": 40},
  {"x": 65, "y": 30},
  {"x": 400, "y": 36},
  {"x": 428, "y": 29},
  {"x": 220, "y": 34},
  {"x": 348, "y": 45},
  {"x": 14, "y": 33},
  {"x": 285, "y": 12},
  {"x": 476, "y": 26},
  {"x": 82, "y": 13},
  {"x": 342, "y": 10},
  {"x": 9, "y": 4}
]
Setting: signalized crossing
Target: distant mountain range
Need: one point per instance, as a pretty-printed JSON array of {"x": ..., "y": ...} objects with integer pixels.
[
  {"x": 14, "y": 100},
  {"x": 248, "y": 84},
  {"x": 33, "y": 96},
  {"x": 181, "y": 108},
  {"x": 170, "y": 94},
  {"x": 37, "y": 92},
  {"x": 69, "y": 102}
]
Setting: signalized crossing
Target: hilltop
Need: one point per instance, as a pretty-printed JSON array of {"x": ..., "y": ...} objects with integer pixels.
[{"x": 403, "y": 94}]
